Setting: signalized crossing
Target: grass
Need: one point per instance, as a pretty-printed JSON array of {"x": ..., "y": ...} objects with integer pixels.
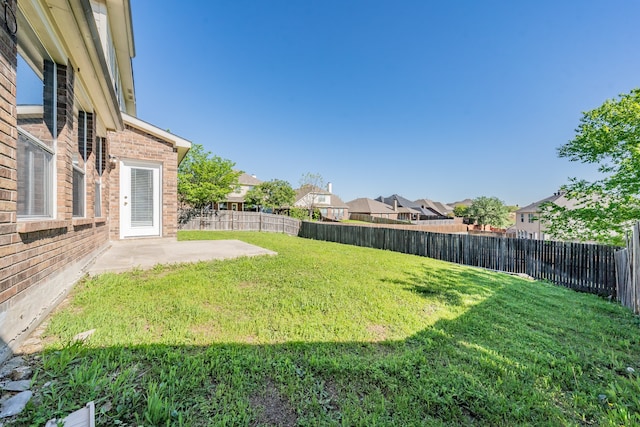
[{"x": 328, "y": 334}]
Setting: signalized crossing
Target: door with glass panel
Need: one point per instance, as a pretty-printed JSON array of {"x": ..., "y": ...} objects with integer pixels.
[{"x": 139, "y": 199}]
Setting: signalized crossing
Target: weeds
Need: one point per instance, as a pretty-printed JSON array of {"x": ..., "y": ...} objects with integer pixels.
[{"x": 327, "y": 334}]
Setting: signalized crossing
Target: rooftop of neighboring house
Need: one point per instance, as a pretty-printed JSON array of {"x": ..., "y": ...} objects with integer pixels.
[
  {"x": 246, "y": 179},
  {"x": 438, "y": 208},
  {"x": 369, "y": 206},
  {"x": 559, "y": 198},
  {"x": 334, "y": 201},
  {"x": 306, "y": 189},
  {"x": 405, "y": 205},
  {"x": 465, "y": 202},
  {"x": 401, "y": 201}
]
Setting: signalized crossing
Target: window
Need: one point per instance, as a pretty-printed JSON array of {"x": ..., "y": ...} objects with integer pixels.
[
  {"x": 101, "y": 154},
  {"x": 322, "y": 198},
  {"x": 521, "y": 217},
  {"x": 78, "y": 167},
  {"x": 35, "y": 177},
  {"x": 531, "y": 218},
  {"x": 78, "y": 191},
  {"x": 141, "y": 197},
  {"x": 97, "y": 207}
]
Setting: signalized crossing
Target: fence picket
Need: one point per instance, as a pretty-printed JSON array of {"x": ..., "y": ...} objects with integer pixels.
[{"x": 243, "y": 221}]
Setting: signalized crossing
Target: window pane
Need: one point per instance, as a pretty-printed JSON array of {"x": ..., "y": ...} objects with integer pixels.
[
  {"x": 141, "y": 197},
  {"x": 34, "y": 178},
  {"x": 78, "y": 193},
  {"x": 97, "y": 208}
]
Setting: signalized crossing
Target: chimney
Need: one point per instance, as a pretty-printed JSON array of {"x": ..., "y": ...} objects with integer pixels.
[
  {"x": 395, "y": 205},
  {"x": 330, "y": 187}
]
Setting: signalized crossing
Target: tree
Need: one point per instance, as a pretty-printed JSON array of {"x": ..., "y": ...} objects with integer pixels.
[
  {"x": 311, "y": 182},
  {"x": 203, "y": 179},
  {"x": 489, "y": 211},
  {"x": 271, "y": 194},
  {"x": 608, "y": 136},
  {"x": 461, "y": 211}
]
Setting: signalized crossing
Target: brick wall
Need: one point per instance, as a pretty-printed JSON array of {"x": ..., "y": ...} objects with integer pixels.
[
  {"x": 135, "y": 144},
  {"x": 8, "y": 140},
  {"x": 41, "y": 260}
]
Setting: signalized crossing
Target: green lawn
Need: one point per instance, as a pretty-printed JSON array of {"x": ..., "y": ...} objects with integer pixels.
[{"x": 328, "y": 334}]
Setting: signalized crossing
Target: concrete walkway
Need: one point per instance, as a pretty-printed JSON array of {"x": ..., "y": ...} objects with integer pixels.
[{"x": 126, "y": 255}]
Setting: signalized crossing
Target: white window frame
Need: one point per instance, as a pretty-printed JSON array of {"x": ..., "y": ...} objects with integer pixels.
[
  {"x": 321, "y": 199},
  {"x": 50, "y": 208}
]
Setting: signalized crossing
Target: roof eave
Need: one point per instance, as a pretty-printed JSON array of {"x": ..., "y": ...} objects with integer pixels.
[
  {"x": 123, "y": 41},
  {"x": 65, "y": 33}
]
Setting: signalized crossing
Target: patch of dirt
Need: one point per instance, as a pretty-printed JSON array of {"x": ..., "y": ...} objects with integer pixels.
[
  {"x": 272, "y": 408},
  {"x": 246, "y": 285},
  {"x": 251, "y": 339},
  {"x": 430, "y": 310},
  {"x": 208, "y": 329},
  {"x": 379, "y": 332},
  {"x": 330, "y": 397}
]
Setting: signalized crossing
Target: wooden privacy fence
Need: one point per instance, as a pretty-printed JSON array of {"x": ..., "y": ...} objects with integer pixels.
[
  {"x": 375, "y": 219},
  {"x": 583, "y": 267},
  {"x": 240, "y": 221},
  {"x": 628, "y": 271}
]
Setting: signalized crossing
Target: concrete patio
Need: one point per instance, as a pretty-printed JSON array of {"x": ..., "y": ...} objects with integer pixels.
[{"x": 126, "y": 255}]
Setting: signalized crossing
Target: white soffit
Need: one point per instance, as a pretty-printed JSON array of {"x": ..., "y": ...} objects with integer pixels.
[{"x": 60, "y": 28}]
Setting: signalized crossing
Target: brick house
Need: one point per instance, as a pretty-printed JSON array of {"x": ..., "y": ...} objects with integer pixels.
[
  {"x": 323, "y": 200},
  {"x": 374, "y": 208},
  {"x": 529, "y": 226},
  {"x": 79, "y": 169}
]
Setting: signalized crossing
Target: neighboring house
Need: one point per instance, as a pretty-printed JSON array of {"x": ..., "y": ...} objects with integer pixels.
[
  {"x": 79, "y": 169},
  {"x": 235, "y": 199},
  {"x": 438, "y": 209},
  {"x": 328, "y": 204},
  {"x": 404, "y": 207},
  {"x": 527, "y": 223},
  {"x": 374, "y": 208},
  {"x": 410, "y": 211}
]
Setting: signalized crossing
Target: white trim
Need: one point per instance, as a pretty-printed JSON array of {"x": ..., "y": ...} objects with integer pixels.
[
  {"x": 37, "y": 141},
  {"x": 125, "y": 230},
  {"x": 30, "y": 111},
  {"x": 43, "y": 18}
]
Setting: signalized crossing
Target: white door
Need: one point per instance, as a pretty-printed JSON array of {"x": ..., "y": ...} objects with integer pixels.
[{"x": 140, "y": 202}]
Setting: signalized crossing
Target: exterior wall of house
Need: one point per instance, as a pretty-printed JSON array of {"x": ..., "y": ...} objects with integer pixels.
[
  {"x": 241, "y": 191},
  {"x": 135, "y": 144},
  {"x": 528, "y": 226},
  {"x": 43, "y": 255},
  {"x": 381, "y": 215},
  {"x": 334, "y": 213},
  {"x": 40, "y": 259}
]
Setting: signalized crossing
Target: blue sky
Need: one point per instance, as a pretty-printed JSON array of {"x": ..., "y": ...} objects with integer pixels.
[{"x": 444, "y": 100}]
